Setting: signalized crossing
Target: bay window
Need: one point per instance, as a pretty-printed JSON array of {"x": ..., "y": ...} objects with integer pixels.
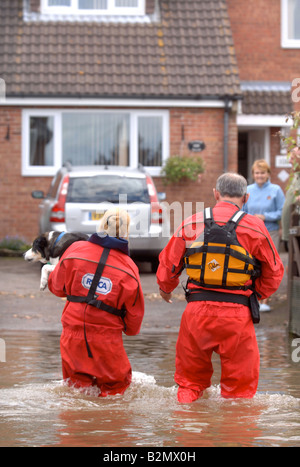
[{"x": 52, "y": 138}]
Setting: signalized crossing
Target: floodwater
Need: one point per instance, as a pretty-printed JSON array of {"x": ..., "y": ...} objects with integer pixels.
[{"x": 38, "y": 409}]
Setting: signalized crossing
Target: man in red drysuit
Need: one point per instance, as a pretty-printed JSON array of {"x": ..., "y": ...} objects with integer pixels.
[
  {"x": 92, "y": 348},
  {"x": 221, "y": 327}
]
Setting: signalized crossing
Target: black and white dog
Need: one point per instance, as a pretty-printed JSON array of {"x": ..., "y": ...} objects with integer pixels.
[{"x": 48, "y": 248}]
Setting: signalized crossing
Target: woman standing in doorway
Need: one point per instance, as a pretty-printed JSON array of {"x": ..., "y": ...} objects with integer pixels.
[{"x": 266, "y": 202}]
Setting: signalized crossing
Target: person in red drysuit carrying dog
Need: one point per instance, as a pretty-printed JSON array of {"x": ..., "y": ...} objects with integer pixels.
[
  {"x": 104, "y": 299},
  {"x": 230, "y": 260}
]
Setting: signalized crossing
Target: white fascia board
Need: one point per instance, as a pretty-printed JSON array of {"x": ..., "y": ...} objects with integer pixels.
[
  {"x": 263, "y": 121},
  {"x": 138, "y": 103}
]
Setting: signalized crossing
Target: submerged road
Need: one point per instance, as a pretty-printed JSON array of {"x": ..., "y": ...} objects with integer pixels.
[{"x": 24, "y": 307}]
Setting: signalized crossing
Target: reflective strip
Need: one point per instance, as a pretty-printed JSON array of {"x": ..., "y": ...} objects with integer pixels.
[
  {"x": 208, "y": 213},
  {"x": 237, "y": 217}
]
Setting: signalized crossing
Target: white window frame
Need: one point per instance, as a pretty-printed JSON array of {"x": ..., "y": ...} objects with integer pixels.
[
  {"x": 287, "y": 43},
  {"x": 27, "y": 168},
  {"x": 46, "y": 171},
  {"x": 111, "y": 10},
  {"x": 134, "y": 156}
]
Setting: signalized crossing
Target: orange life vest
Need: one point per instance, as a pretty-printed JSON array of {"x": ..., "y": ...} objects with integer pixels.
[{"x": 217, "y": 260}]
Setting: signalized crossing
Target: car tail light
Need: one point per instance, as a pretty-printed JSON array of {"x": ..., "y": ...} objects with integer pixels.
[
  {"x": 156, "y": 209},
  {"x": 58, "y": 210}
]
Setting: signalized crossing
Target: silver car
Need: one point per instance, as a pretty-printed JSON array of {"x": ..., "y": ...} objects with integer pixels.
[{"x": 79, "y": 197}]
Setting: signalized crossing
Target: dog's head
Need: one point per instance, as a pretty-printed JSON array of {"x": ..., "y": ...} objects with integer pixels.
[{"x": 39, "y": 251}]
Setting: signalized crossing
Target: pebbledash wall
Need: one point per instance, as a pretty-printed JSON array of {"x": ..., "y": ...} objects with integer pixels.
[{"x": 19, "y": 211}]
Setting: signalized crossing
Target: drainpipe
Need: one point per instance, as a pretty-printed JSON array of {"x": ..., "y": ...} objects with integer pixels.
[{"x": 226, "y": 132}]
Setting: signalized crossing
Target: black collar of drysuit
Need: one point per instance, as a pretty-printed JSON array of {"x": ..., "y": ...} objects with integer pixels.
[
  {"x": 231, "y": 202},
  {"x": 112, "y": 243}
]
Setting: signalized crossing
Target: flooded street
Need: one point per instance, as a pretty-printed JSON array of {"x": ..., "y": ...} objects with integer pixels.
[
  {"x": 37, "y": 409},
  {"x": 150, "y": 192}
]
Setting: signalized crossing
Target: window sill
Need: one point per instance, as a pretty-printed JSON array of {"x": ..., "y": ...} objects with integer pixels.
[{"x": 290, "y": 44}]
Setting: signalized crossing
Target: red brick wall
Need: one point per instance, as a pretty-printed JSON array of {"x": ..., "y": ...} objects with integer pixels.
[
  {"x": 19, "y": 211},
  {"x": 206, "y": 125},
  {"x": 256, "y": 28}
]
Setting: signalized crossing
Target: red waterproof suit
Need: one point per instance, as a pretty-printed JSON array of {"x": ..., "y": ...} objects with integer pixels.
[
  {"x": 109, "y": 367},
  {"x": 224, "y": 328}
]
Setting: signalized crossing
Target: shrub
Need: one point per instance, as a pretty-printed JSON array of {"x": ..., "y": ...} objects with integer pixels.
[
  {"x": 14, "y": 244},
  {"x": 179, "y": 168}
]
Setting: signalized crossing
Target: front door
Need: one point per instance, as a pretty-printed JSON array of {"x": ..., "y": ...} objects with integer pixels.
[{"x": 253, "y": 144}]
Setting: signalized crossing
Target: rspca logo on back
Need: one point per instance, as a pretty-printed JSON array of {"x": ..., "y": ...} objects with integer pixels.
[{"x": 104, "y": 287}]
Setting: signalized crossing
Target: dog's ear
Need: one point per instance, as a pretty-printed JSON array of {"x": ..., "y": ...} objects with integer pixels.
[{"x": 40, "y": 245}]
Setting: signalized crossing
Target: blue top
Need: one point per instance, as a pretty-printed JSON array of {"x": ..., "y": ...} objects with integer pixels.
[{"x": 267, "y": 200}]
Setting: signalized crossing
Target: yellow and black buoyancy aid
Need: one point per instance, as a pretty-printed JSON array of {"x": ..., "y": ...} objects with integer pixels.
[{"x": 216, "y": 260}]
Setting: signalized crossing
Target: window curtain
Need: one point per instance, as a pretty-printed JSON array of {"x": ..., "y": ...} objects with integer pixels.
[{"x": 96, "y": 139}]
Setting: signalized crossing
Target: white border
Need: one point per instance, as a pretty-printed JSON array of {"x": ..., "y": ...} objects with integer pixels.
[
  {"x": 27, "y": 169},
  {"x": 42, "y": 171},
  {"x": 262, "y": 121},
  {"x": 286, "y": 43},
  {"x": 119, "y": 103}
]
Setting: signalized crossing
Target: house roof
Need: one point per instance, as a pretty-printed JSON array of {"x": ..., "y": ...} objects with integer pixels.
[
  {"x": 184, "y": 50},
  {"x": 266, "y": 98}
]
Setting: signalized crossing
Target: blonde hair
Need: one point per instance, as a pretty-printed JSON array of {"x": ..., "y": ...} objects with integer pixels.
[
  {"x": 115, "y": 223},
  {"x": 261, "y": 164}
]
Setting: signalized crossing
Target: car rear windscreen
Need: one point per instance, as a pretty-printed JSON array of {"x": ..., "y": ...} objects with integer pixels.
[{"x": 107, "y": 188}]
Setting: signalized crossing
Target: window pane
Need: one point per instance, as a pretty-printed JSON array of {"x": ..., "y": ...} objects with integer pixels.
[
  {"x": 92, "y": 4},
  {"x": 99, "y": 189},
  {"x": 96, "y": 139},
  {"x": 59, "y": 2},
  {"x": 41, "y": 141},
  {"x": 127, "y": 3},
  {"x": 150, "y": 141},
  {"x": 294, "y": 19}
]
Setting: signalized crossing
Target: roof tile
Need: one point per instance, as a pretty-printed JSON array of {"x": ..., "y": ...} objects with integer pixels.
[
  {"x": 188, "y": 53},
  {"x": 267, "y": 102}
]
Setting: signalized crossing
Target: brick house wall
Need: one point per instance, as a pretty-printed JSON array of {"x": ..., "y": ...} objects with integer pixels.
[
  {"x": 256, "y": 30},
  {"x": 208, "y": 126},
  {"x": 19, "y": 211}
]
